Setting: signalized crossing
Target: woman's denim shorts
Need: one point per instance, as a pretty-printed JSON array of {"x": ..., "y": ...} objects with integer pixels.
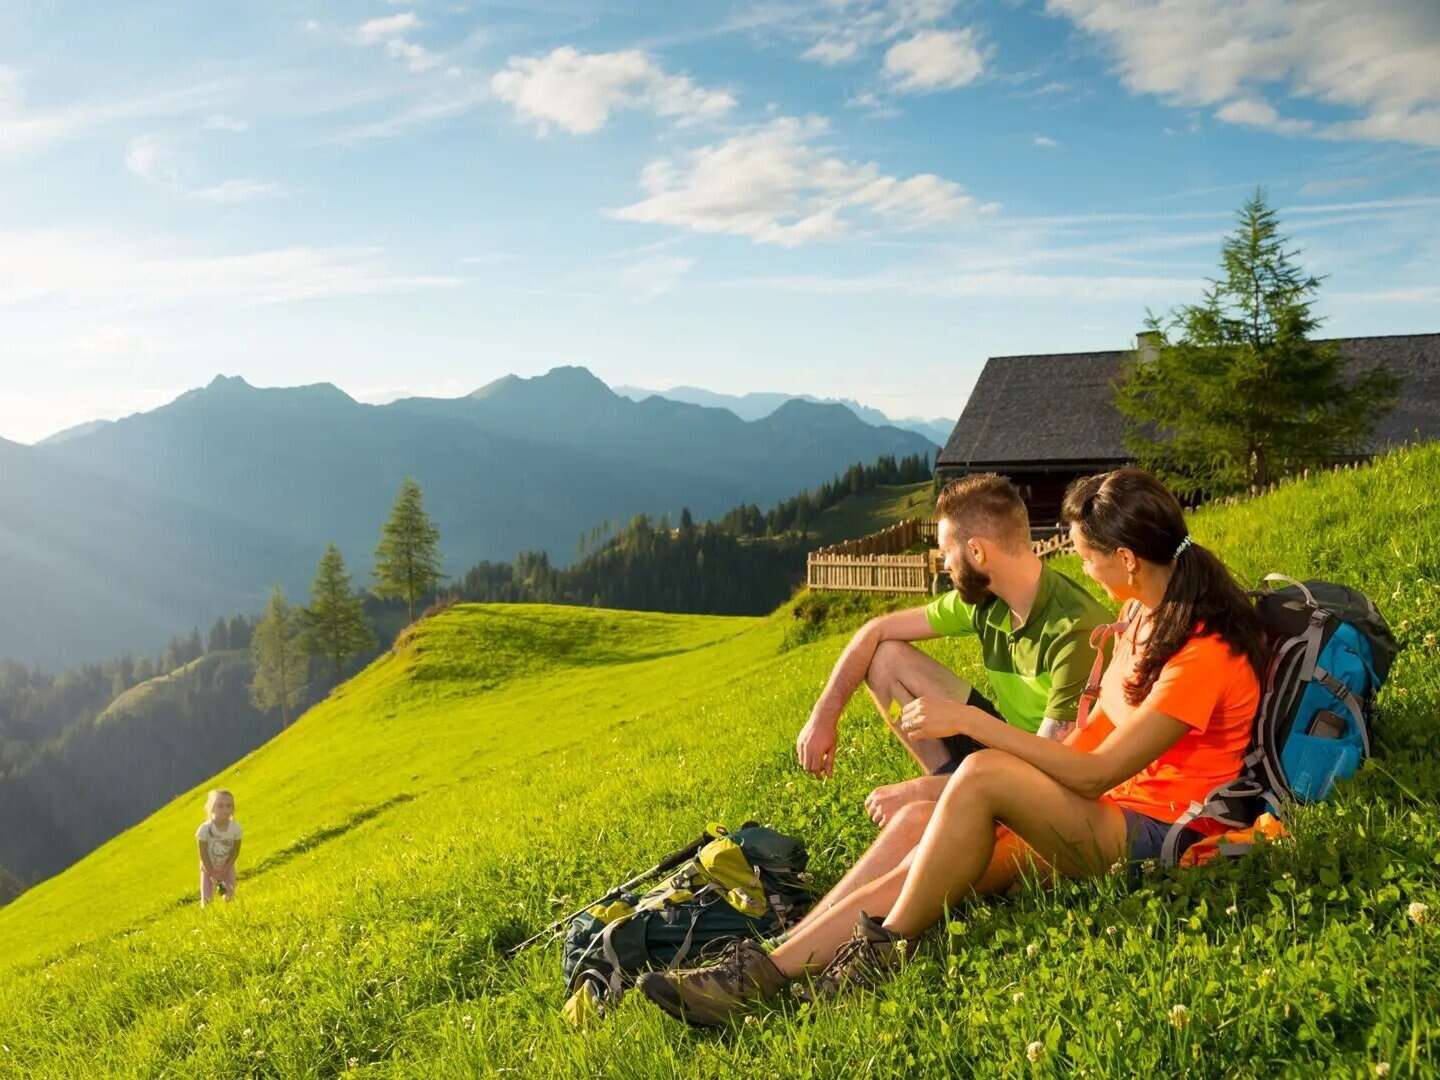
[{"x": 1145, "y": 836}]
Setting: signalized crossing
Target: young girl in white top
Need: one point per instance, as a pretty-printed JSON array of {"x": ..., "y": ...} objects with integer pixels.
[{"x": 219, "y": 840}]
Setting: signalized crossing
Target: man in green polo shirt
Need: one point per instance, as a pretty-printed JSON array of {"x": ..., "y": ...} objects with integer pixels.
[{"x": 1034, "y": 626}]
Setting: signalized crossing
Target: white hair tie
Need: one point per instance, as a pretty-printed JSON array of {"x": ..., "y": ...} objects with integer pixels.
[{"x": 1183, "y": 545}]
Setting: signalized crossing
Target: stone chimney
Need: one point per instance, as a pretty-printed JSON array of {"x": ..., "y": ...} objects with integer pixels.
[{"x": 1147, "y": 345}]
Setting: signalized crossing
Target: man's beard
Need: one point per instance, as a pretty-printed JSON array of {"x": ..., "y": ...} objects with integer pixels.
[{"x": 973, "y": 585}]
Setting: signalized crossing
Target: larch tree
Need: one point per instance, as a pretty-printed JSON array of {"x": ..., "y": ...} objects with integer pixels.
[
  {"x": 280, "y": 659},
  {"x": 407, "y": 560},
  {"x": 335, "y": 624}
]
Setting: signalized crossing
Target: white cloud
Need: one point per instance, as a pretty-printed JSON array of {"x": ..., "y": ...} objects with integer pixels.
[
  {"x": 840, "y": 31},
  {"x": 84, "y": 271},
  {"x": 1260, "y": 114},
  {"x": 995, "y": 284},
  {"x": 27, "y": 130},
  {"x": 452, "y": 98},
  {"x": 389, "y": 33},
  {"x": 239, "y": 190},
  {"x": 1380, "y": 58},
  {"x": 158, "y": 161},
  {"x": 10, "y": 97},
  {"x": 221, "y": 122},
  {"x": 153, "y": 159},
  {"x": 831, "y": 51},
  {"x": 1337, "y": 186},
  {"x": 775, "y": 186},
  {"x": 1044, "y": 142},
  {"x": 654, "y": 276},
  {"x": 577, "y": 91},
  {"x": 391, "y": 26},
  {"x": 934, "y": 60}
]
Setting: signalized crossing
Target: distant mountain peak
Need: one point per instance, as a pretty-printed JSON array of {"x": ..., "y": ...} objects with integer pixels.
[
  {"x": 79, "y": 431},
  {"x": 570, "y": 382},
  {"x": 229, "y": 382}
]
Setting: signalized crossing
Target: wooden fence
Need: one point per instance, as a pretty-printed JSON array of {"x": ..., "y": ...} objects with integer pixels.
[
  {"x": 874, "y": 563},
  {"x": 892, "y": 541}
]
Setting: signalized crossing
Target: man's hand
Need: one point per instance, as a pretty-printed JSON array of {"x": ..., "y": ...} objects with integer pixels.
[
  {"x": 815, "y": 745},
  {"x": 935, "y": 718},
  {"x": 885, "y": 802}
]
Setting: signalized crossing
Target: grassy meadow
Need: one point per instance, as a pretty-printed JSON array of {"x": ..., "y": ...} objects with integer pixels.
[
  {"x": 860, "y": 515},
  {"x": 504, "y": 763}
]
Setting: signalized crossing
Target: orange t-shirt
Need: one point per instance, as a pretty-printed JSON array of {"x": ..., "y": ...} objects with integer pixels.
[{"x": 1206, "y": 687}]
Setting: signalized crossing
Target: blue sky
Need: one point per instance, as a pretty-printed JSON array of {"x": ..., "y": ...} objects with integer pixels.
[{"x": 860, "y": 198}]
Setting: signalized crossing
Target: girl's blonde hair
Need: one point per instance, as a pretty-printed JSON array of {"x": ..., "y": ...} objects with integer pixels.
[{"x": 215, "y": 793}]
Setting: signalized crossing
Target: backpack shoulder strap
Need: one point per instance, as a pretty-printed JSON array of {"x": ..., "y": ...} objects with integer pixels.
[{"x": 1098, "y": 637}]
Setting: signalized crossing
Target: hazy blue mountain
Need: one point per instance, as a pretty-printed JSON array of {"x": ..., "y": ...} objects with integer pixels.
[
  {"x": 93, "y": 565},
  {"x": 118, "y": 538},
  {"x": 87, "y": 428},
  {"x": 757, "y": 405}
]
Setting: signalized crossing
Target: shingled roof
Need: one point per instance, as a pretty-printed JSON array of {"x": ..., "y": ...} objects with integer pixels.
[{"x": 1057, "y": 409}]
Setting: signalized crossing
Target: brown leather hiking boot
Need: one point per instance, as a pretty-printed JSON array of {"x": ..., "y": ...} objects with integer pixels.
[
  {"x": 709, "y": 996},
  {"x": 870, "y": 957}
]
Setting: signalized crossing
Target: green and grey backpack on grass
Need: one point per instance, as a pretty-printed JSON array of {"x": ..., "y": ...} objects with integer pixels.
[{"x": 746, "y": 883}]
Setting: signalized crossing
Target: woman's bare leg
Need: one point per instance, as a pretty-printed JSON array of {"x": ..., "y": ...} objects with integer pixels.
[
  {"x": 813, "y": 942},
  {"x": 1079, "y": 837}
]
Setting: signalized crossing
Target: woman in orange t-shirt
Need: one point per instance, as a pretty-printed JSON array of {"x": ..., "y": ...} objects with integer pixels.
[{"x": 1172, "y": 721}]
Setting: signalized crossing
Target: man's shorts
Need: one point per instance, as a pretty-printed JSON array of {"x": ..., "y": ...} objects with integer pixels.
[{"x": 961, "y": 746}]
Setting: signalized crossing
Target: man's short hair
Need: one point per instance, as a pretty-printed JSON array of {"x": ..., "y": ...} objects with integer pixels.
[{"x": 985, "y": 504}]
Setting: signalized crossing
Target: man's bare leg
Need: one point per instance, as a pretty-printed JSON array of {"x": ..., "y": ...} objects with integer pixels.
[
  {"x": 897, "y": 840},
  {"x": 901, "y": 673}
]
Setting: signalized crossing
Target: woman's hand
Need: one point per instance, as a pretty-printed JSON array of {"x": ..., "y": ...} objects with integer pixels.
[{"x": 934, "y": 718}]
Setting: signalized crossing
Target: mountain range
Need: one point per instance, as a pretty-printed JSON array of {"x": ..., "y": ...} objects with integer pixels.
[
  {"x": 118, "y": 535},
  {"x": 758, "y": 405}
]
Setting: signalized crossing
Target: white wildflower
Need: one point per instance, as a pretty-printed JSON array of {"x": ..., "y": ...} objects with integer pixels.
[
  {"x": 354, "y": 1063},
  {"x": 1382, "y": 1068},
  {"x": 1018, "y": 996},
  {"x": 247, "y": 1033},
  {"x": 1418, "y": 912},
  {"x": 1233, "y": 909},
  {"x": 1032, "y": 948},
  {"x": 1035, "y": 1051},
  {"x": 1111, "y": 931},
  {"x": 1179, "y": 1016}
]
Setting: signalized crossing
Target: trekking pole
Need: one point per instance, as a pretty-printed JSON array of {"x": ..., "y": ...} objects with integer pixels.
[{"x": 669, "y": 862}]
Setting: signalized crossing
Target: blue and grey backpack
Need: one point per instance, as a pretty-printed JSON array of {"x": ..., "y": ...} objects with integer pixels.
[{"x": 1330, "y": 652}]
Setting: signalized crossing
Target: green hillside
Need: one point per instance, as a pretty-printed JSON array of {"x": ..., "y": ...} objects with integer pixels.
[
  {"x": 871, "y": 511},
  {"x": 505, "y": 763}
]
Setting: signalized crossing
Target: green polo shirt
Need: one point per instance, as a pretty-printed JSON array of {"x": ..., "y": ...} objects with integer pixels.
[{"x": 1039, "y": 669}]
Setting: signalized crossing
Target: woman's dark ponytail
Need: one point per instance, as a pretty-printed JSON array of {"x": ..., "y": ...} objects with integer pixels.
[{"x": 1129, "y": 508}]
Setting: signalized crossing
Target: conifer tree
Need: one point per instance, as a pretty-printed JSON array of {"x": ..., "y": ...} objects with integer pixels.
[
  {"x": 277, "y": 650},
  {"x": 335, "y": 625},
  {"x": 239, "y": 632},
  {"x": 1238, "y": 393},
  {"x": 219, "y": 639},
  {"x": 407, "y": 560}
]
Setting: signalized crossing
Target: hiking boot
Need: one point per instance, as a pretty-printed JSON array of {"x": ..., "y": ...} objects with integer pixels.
[
  {"x": 869, "y": 958},
  {"x": 708, "y": 996}
]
